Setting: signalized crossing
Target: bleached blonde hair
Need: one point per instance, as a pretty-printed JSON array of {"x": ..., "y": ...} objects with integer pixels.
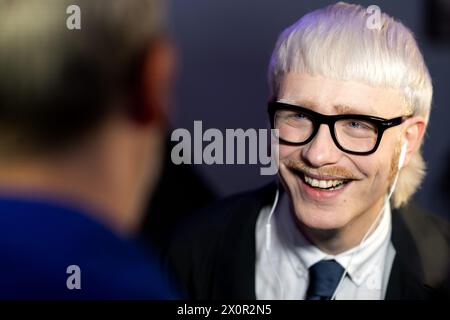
[{"x": 337, "y": 42}]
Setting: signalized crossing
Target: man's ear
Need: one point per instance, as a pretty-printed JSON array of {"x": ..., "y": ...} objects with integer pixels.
[
  {"x": 414, "y": 132},
  {"x": 154, "y": 87}
]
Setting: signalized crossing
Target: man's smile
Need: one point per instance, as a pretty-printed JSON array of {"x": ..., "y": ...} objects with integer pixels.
[{"x": 320, "y": 187}]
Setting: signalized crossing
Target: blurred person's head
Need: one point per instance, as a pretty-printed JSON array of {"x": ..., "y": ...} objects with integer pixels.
[
  {"x": 83, "y": 112},
  {"x": 332, "y": 62}
]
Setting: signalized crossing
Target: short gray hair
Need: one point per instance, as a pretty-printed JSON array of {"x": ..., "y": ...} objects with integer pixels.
[{"x": 54, "y": 82}]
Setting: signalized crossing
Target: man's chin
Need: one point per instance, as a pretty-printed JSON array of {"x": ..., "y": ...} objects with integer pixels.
[{"x": 320, "y": 220}]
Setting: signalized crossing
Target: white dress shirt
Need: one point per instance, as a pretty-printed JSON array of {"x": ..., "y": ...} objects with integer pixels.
[{"x": 282, "y": 268}]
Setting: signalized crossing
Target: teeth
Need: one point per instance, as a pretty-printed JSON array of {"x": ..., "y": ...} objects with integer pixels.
[{"x": 324, "y": 184}]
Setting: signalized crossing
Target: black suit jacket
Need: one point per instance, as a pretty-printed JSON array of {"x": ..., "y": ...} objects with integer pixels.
[{"x": 213, "y": 256}]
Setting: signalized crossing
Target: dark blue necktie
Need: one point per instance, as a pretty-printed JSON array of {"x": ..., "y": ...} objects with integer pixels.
[{"x": 324, "y": 277}]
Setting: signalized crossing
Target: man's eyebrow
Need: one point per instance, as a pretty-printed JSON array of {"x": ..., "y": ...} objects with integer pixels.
[
  {"x": 299, "y": 103},
  {"x": 339, "y": 108},
  {"x": 346, "y": 109}
]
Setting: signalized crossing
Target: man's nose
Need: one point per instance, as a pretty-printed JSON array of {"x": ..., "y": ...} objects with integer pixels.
[{"x": 321, "y": 150}]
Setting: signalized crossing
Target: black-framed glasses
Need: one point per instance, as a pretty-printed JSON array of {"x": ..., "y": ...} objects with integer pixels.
[{"x": 352, "y": 133}]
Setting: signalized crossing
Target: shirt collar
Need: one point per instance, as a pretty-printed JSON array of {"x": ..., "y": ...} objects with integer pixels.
[{"x": 361, "y": 260}]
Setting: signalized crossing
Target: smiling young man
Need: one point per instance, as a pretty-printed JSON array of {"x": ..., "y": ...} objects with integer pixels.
[{"x": 351, "y": 105}]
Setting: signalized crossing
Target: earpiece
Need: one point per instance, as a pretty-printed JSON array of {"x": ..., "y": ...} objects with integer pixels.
[
  {"x": 401, "y": 160},
  {"x": 268, "y": 225},
  {"x": 268, "y": 240}
]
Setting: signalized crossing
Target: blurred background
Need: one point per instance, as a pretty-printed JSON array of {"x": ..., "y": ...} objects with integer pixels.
[{"x": 224, "y": 49}]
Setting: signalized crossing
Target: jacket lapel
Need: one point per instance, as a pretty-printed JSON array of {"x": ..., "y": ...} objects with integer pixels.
[
  {"x": 406, "y": 280},
  {"x": 234, "y": 271}
]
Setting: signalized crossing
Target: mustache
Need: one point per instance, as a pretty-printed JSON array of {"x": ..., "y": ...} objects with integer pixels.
[{"x": 338, "y": 172}]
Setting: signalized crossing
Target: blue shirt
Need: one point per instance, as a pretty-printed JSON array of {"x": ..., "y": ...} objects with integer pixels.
[{"x": 40, "y": 240}]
